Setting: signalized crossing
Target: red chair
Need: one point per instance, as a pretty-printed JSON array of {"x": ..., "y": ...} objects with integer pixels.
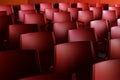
[
  {"x": 73, "y": 13},
  {"x": 61, "y": 31},
  {"x": 117, "y": 10},
  {"x": 49, "y": 13},
  {"x": 114, "y": 49},
  {"x": 84, "y": 18},
  {"x": 61, "y": 17},
  {"x": 21, "y": 14},
  {"x": 16, "y": 30},
  {"x": 97, "y": 12},
  {"x": 76, "y": 35},
  {"x": 7, "y": 8},
  {"x": 110, "y": 16},
  {"x": 74, "y": 57},
  {"x": 44, "y": 43},
  {"x": 115, "y": 32},
  {"x": 44, "y": 6},
  {"x": 83, "y": 6},
  {"x": 106, "y": 70},
  {"x": 63, "y": 6},
  {"x": 35, "y": 19},
  {"x": 27, "y": 7},
  {"x": 15, "y": 64},
  {"x": 100, "y": 28}
]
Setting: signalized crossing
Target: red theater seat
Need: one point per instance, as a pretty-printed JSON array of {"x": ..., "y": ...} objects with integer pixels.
[
  {"x": 44, "y": 6},
  {"x": 74, "y": 57},
  {"x": 63, "y": 6},
  {"x": 43, "y": 42},
  {"x": 61, "y": 31},
  {"x": 27, "y": 7},
  {"x": 76, "y": 35},
  {"x": 16, "y": 30},
  {"x": 61, "y": 17},
  {"x": 83, "y": 6},
  {"x": 35, "y": 19},
  {"x": 114, "y": 49},
  {"x": 106, "y": 70},
  {"x": 115, "y": 32}
]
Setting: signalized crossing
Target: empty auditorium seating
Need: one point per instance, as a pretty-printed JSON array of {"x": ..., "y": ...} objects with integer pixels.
[
  {"x": 15, "y": 64},
  {"x": 43, "y": 42},
  {"x": 16, "y": 30},
  {"x": 61, "y": 31},
  {"x": 106, "y": 70}
]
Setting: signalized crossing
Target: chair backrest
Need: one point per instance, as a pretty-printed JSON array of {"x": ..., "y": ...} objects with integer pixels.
[
  {"x": 21, "y": 14},
  {"x": 63, "y": 6},
  {"x": 77, "y": 35},
  {"x": 106, "y": 70},
  {"x": 49, "y": 13},
  {"x": 27, "y": 7},
  {"x": 74, "y": 57},
  {"x": 100, "y": 28},
  {"x": 97, "y": 12},
  {"x": 43, "y": 42},
  {"x": 110, "y": 16},
  {"x": 44, "y": 6},
  {"x": 73, "y": 13},
  {"x": 15, "y": 64},
  {"x": 7, "y": 8},
  {"x": 61, "y": 17},
  {"x": 61, "y": 31},
  {"x": 116, "y": 9},
  {"x": 115, "y": 32},
  {"x": 114, "y": 49},
  {"x": 16, "y": 30},
  {"x": 83, "y": 6},
  {"x": 85, "y": 16},
  {"x": 35, "y": 19}
]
